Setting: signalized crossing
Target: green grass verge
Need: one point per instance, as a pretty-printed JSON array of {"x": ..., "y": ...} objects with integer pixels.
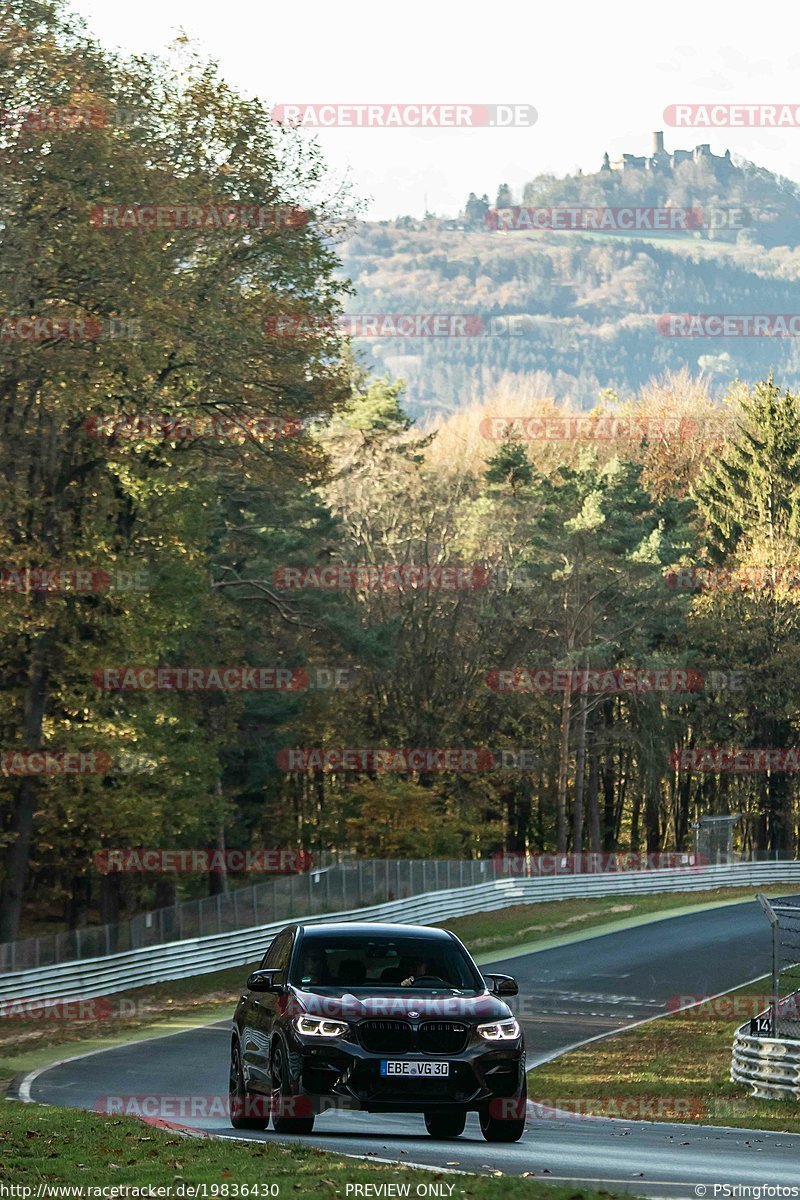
[
  {"x": 201, "y": 999},
  {"x": 674, "y": 1068},
  {"x": 64, "y": 1147}
]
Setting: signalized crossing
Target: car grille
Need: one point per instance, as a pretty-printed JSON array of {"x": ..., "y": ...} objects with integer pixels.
[
  {"x": 390, "y": 1037},
  {"x": 398, "y": 1037},
  {"x": 443, "y": 1037}
]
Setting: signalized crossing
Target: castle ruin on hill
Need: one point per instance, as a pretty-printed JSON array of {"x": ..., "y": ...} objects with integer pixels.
[{"x": 664, "y": 162}]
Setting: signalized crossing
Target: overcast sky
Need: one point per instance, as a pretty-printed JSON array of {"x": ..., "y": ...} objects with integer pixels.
[{"x": 599, "y": 76}]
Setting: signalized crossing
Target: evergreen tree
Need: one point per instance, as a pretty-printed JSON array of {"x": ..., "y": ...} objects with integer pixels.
[
  {"x": 754, "y": 486},
  {"x": 503, "y": 197}
]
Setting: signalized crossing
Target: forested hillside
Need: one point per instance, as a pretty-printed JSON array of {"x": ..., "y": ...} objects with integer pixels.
[{"x": 583, "y": 308}]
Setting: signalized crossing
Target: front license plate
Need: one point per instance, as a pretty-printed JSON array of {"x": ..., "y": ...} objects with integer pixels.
[{"x": 401, "y": 1067}]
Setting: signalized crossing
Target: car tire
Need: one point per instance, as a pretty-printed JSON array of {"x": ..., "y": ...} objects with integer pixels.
[
  {"x": 445, "y": 1124},
  {"x": 282, "y": 1098},
  {"x": 504, "y": 1129},
  {"x": 240, "y": 1101}
]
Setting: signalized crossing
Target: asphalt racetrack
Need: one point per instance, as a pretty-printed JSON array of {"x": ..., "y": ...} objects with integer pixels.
[{"x": 567, "y": 994}]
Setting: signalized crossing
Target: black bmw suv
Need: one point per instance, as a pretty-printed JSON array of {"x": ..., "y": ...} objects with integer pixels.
[{"x": 383, "y": 1018}]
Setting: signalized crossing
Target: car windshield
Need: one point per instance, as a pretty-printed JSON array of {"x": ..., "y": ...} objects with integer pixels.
[{"x": 372, "y": 962}]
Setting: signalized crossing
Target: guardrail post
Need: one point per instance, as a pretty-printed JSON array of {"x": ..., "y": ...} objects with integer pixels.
[{"x": 773, "y": 920}]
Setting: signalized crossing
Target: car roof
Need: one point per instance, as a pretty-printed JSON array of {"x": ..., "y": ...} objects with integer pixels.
[{"x": 375, "y": 929}]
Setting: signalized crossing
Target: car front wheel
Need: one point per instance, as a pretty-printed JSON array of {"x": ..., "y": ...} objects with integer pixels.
[
  {"x": 246, "y": 1110},
  {"x": 503, "y": 1120},
  {"x": 284, "y": 1104}
]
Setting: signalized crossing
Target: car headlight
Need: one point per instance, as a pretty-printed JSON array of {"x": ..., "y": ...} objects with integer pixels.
[
  {"x": 500, "y": 1031},
  {"x": 320, "y": 1026}
]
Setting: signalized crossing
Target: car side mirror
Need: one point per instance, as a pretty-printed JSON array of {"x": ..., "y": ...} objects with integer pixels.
[
  {"x": 266, "y": 981},
  {"x": 502, "y": 985}
]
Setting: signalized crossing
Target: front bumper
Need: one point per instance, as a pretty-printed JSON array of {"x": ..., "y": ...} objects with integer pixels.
[{"x": 342, "y": 1074}]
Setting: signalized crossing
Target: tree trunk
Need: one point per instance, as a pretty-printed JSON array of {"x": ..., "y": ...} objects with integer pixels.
[
  {"x": 218, "y": 880},
  {"x": 637, "y": 809},
  {"x": 166, "y": 893},
  {"x": 79, "y": 901},
  {"x": 595, "y": 842},
  {"x": 18, "y": 852},
  {"x": 608, "y": 803},
  {"x": 109, "y": 898},
  {"x": 563, "y": 770},
  {"x": 580, "y": 757}
]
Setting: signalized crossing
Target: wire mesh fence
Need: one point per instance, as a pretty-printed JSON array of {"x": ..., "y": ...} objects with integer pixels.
[
  {"x": 336, "y": 887},
  {"x": 331, "y": 885},
  {"x": 783, "y": 1019}
]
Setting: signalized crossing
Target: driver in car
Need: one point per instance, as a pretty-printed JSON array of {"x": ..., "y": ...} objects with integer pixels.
[{"x": 418, "y": 970}]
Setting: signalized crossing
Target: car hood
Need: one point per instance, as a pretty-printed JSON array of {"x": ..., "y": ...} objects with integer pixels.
[{"x": 389, "y": 1005}]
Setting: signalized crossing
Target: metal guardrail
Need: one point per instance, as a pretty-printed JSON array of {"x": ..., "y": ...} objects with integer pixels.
[
  {"x": 196, "y": 956},
  {"x": 328, "y": 886},
  {"x": 769, "y": 1066},
  {"x": 335, "y": 881}
]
